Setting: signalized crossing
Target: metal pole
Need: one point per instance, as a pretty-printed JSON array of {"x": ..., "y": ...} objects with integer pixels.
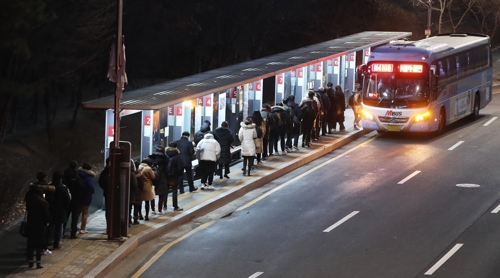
[
  {"x": 115, "y": 152},
  {"x": 428, "y": 30}
]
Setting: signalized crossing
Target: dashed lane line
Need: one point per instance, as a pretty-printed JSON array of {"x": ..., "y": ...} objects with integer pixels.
[
  {"x": 455, "y": 146},
  {"x": 490, "y": 121},
  {"x": 444, "y": 259},
  {"x": 350, "y": 215},
  {"x": 409, "y": 177}
]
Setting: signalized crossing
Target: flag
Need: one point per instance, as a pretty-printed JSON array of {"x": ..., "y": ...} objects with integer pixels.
[{"x": 121, "y": 76}]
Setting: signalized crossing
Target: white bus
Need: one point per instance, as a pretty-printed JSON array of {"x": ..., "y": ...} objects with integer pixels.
[{"x": 422, "y": 86}]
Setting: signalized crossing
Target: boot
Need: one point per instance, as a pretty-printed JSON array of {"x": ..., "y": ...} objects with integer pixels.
[{"x": 249, "y": 173}]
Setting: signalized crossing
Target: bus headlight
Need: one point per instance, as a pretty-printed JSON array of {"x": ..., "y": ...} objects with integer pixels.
[
  {"x": 422, "y": 117},
  {"x": 366, "y": 115}
]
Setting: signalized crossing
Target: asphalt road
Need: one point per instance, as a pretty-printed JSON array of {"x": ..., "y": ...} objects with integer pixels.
[{"x": 384, "y": 206}]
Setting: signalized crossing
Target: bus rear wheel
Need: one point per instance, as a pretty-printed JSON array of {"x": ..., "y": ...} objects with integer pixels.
[{"x": 475, "y": 112}]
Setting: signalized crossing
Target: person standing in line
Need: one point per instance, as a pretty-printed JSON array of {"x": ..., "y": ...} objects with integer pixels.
[
  {"x": 225, "y": 139},
  {"x": 37, "y": 220},
  {"x": 355, "y": 103},
  {"x": 283, "y": 126},
  {"x": 207, "y": 152},
  {"x": 148, "y": 194},
  {"x": 326, "y": 110},
  {"x": 59, "y": 208},
  {"x": 268, "y": 141},
  {"x": 247, "y": 134},
  {"x": 87, "y": 176},
  {"x": 319, "y": 116},
  {"x": 74, "y": 183},
  {"x": 174, "y": 169},
  {"x": 103, "y": 181},
  {"x": 340, "y": 107},
  {"x": 186, "y": 152},
  {"x": 260, "y": 126},
  {"x": 332, "y": 112},
  {"x": 296, "y": 120},
  {"x": 48, "y": 191},
  {"x": 135, "y": 195},
  {"x": 309, "y": 111},
  {"x": 159, "y": 160},
  {"x": 204, "y": 129}
]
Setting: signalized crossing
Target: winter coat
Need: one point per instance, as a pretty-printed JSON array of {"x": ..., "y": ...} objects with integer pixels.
[
  {"x": 259, "y": 142},
  {"x": 326, "y": 101},
  {"x": 59, "y": 209},
  {"x": 297, "y": 113},
  {"x": 186, "y": 150},
  {"x": 160, "y": 159},
  {"x": 146, "y": 172},
  {"x": 225, "y": 139},
  {"x": 175, "y": 168},
  {"x": 75, "y": 185},
  {"x": 104, "y": 181},
  {"x": 208, "y": 148},
  {"x": 285, "y": 122},
  {"x": 247, "y": 134},
  {"x": 135, "y": 194},
  {"x": 268, "y": 117},
  {"x": 38, "y": 218},
  {"x": 87, "y": 177}
]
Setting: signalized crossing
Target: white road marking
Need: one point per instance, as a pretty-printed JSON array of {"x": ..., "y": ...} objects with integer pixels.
[
  {"x": 490, "y": 121},
  {"x": 256, "y": 274},
  {"x": 340, "y": 221},
  {"x": 456, "y": 145},
  {"x": 496, "y": 210},
  {"x": 409, "y": 177},
  {"x": 468, "y": 185},
  {"x": 444, "y": 259}
]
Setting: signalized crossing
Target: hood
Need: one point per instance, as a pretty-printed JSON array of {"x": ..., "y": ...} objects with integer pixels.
[
  {"x": 221, "y": 131},
  {"x": 209, "y": 136},
  {"x": 172, "y": 152},
  {"x": 205, "y": 127},
  {"x": 249, "y": 126},
  {"x": 278, "y": 108}
]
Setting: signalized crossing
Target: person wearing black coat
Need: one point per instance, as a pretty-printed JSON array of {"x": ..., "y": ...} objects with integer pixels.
[
  {"x": 204, "y": 129},
  {"x": 75, "y": 185},
  {"x": 326, "y": 111},
  {"x": 225, "y": 139},
  {"x": 59, "y": 208},
  {"x": 297, "y": 119},
  {"x": 186, "y": 150},
  {"x": 37, "y": 220},
  {"x": 173, "y": 169}
]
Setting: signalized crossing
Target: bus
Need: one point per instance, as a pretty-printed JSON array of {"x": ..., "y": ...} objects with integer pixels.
[{"x": 422, "y": 86}]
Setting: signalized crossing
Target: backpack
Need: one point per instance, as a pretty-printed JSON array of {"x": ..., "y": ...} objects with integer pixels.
[
  {"x": 140, "y": 182},
  {"x": 171, "y": 171},
  {"x": 351, "y": 100},
  {"x": 156, "y": 171}
]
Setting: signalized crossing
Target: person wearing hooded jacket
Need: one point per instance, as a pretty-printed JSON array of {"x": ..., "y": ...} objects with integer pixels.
[
  {"x": 247, "y": 134},
  {"x": 296, "y": 120},
  {"x": 148, "y": 195},
  {"x": 208, "y": 152},
  {"x": 225, "y": 139},
  {"x": 59, "y": 208},
  {"x": 87, "y": 176},
  {"x": 173, "y": 169},
  {"x": 260, "y": 126},
  {"x": 159, "y": 159},
  {"x": 282, "y": 128},
  {"x": 204, "y": 129},
  {"x": 74, "y": 183},
  {"x": 38, "y": 217}
]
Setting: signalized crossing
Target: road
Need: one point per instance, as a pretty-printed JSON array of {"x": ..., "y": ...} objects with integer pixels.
[{"x": 384, "y": 206}]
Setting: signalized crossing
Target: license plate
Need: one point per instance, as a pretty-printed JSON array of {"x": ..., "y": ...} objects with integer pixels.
[{"x": 396, "y": 128}]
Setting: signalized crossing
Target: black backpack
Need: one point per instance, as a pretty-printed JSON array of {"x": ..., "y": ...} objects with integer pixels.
[
  {"x": 156, "y": 171},
  {"x": 171, "y": 170}
]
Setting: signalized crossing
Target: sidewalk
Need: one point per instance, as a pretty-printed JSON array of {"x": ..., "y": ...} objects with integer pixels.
[{"x": 92, "y": 255}]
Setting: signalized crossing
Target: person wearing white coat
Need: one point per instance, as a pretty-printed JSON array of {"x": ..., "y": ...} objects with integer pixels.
[
  {"x": 207, "y": 152},
  {"x": 247, "y": 134}
]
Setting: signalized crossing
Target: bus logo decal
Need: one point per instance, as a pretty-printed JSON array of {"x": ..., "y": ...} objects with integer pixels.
[{"x": 393, "y": 114}]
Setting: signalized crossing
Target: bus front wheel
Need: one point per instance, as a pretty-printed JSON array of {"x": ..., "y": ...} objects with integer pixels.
[{"x": 442, "y": 122}]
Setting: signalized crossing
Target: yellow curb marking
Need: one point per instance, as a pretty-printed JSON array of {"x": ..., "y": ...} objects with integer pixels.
[{"x": 166, "y": 247}]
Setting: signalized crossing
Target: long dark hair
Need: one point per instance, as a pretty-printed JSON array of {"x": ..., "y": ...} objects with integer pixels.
[{"x": 257, "y": 118}]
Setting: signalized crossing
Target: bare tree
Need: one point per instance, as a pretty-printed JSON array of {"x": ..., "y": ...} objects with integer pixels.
[
  {"x": 487, "y": 15},
  {"x": 462, "y": 8},
  {"x": 442, "y": 7}
]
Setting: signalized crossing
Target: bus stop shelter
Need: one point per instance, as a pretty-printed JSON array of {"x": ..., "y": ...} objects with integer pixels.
[{"x": 232, "y": 93}]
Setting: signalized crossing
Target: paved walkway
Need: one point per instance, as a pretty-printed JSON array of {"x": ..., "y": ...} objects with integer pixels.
[{"x": 92, "y": 255}]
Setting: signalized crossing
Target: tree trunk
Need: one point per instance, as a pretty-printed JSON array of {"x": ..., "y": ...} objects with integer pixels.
[
  {"x": 76, "y": 107},
  {"x": 48, "y": 114},
  {"x": 5, "y": 102}
]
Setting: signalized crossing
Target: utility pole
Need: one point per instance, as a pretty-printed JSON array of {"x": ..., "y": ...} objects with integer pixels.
[
  {"x": 113, "y": 209},
  {"x": 428, "y": 30}
]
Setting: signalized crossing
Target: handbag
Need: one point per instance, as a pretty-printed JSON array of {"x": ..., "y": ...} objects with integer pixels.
[{"x": 23, "y": 230}]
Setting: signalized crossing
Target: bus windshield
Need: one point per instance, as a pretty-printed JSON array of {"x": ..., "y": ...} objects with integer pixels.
[{"x": 383, "y": 90}]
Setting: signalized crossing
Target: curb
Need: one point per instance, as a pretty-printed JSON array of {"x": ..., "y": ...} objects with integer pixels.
[{"x": 162, "y": 228}]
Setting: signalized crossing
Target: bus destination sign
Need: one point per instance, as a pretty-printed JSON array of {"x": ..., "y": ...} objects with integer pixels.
[
  {"x": 409, "y": 68},
  {"x": 382, "y": 67}
]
